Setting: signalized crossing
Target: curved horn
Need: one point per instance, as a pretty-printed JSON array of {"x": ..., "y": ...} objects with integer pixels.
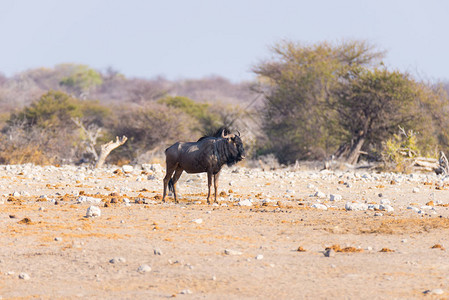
[
  {"x": 238, "y": 133},
  {"x": 223, "y": 135}
]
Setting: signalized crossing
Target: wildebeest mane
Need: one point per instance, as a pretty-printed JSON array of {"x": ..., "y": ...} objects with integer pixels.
[{"x": 217, "y": 133}]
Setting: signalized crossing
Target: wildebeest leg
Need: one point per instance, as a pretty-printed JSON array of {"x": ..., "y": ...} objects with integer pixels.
[
  {"x": 168, "y": 174},
  {"x": 209, "y": 183},
  {"x": 178, "y": 173},
  {"x": 216, "y": 185}
]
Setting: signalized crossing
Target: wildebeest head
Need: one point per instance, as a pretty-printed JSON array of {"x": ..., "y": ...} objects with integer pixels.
[{"x": 235, "y": 147}]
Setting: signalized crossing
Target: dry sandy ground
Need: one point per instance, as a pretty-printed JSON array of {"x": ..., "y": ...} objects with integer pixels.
[{"x": 192, "y": 263}]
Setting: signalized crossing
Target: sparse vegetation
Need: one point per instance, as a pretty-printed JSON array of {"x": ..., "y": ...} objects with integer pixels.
[{"x": 310, "y": 102}]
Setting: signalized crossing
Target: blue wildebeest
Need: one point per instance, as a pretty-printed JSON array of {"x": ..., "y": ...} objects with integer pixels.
[{"x": 208, "y": 154}]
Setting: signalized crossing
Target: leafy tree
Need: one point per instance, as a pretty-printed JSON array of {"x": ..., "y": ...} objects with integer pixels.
[
  {"x": 297, "y": 85},
  {"x": 150, "y": 127},
  {"x": 198, "y": 111},
  {"x": 53, "y": 109},
  {"x": 82, "y": 79},
  {"x": 47, "y": 125},
  {"x": 371, "y": 105}
]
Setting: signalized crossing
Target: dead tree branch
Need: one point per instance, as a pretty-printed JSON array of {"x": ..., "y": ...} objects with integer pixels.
[
  {"x": 107, "y": 148},
  {"x": 444, "y": 164}
]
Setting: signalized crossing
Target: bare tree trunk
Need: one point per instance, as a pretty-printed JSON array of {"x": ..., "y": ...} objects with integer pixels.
[
  {"x": 354, "y": 152},
  {"x": 444, "y": 164},
  {"x": 107, "y": 148},
  {"x": 350, "y": 153}
]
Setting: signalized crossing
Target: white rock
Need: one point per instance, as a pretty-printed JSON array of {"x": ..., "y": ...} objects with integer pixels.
[
  {"x": 93, "y": 211},
  {"x": 232, "y": 252},
  {"x": 24, "y": 276},
  {"x": 83, "y": 199},
  {"x": 157, "y": 251},
  {"x": 378, "y": 214},
  {"x": 144, "y": 269},
  {"x": 387, "y": 208},
  {"x": 415, "y": 209},
  {"x": 385, "y": 201},
  {"x": 58, "y": 239},
  {"x": 310, "y": 186},
  {"x": 356, "y": 206},
  {"x": 16, "y": 194},
  {"x": 246, "y": 202},
  {"x": 434, "y": 292},
  {"x": 373, "y": 206},
  {"x": 186, "y": 292},
  {"x": 198, "y": 221},
  {"x": 319, "y": 206},
  {"x": 127, "y": 169},
  {"x": 335, "y": 197},
  {"x": 259, "y": 257},
  {"x": 427, "y": 207},
  {"x": 320, "y": 194},
  {"x": 415, "y": 190}
]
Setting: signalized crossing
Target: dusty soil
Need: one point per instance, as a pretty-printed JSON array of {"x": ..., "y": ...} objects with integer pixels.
[{"x": 45, "y": 234}]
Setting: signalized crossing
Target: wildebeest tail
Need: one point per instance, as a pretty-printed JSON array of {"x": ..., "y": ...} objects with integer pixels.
[{"x": 171, "y": 186}]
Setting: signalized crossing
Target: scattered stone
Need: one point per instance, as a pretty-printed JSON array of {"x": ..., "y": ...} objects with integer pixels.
[
  {"x": 58, "y": 239},
  {"x": 144, "y": 269},
  {"x": 415, "y": 190},
  {"x": 24, "y": 276},
  {"x": 378, "y": 214},
  {"x": 415, "y": 209},
  {"x": 232, "y": 252},
  {"x": 83, "y": 199},
  {"x": 117, "y": 260},
  {"x": 437, "y": 246},
  {"x": 301, "y": 249},
  {"x": 386, "y": 250},
  {"x": 186, "y": 292},
  {"x": 329, "y": 252},
  {"x": 26, "y": 221},
  {"x": 246, "y": 202},
  {"x": 157, "y": 251},
  {"x": 387, "y": 208},
  {"x": 335, "y": 197},
  {"x": 319, "y": 194},
  {"x": 319, "y": 206},
  {"x": 259, "y": 257},
  {"x": 385, "y": 201},
  {"x": 434, "y": 292},
  {"x": 93, "y": 211},
  {"x": 127, "y": 169},
  {"x": 198, "y": 221},
  {"x": 356, "y": 206}
]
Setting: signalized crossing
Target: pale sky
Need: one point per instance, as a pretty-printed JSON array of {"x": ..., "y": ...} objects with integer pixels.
[{"x": 192, "y": 39}]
